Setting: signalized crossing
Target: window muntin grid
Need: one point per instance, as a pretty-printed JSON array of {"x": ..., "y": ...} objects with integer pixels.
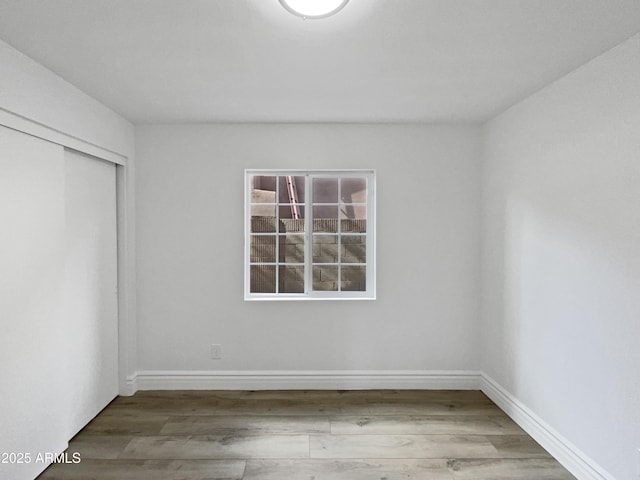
[{"x": 327, "y": 251}]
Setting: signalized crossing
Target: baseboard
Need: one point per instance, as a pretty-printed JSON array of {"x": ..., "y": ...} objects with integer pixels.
[
  {"x": 572, "y": 458},
  {"x": 307, "y": 380},
  {"x": 130, "y": 386}
]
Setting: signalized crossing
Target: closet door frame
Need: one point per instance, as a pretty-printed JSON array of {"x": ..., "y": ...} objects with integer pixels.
[{"x": 125, "y": 215}]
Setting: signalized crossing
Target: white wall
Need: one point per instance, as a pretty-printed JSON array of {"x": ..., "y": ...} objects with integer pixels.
[
  {"x": 190, "y": 250},
  {"x": 561, "y": 256},
  {"x": 31, "y": 91}
]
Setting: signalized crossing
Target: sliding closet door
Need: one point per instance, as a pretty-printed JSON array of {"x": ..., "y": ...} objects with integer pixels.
[
  {"x": 33, "y": 389},
  {"x": 91, "y": 285},
  {"x": 58, "y": 298}
]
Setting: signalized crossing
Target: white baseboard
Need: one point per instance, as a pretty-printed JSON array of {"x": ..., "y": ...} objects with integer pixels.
[
  {"x": 307, "y": 380},
  {"x": 573, "y": 459},
  {"x": 130, "y": 386}
]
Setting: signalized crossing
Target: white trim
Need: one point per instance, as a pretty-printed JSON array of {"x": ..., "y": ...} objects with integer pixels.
[
  {"x": 570, "y": 456},
  {"x": 309, "y": 294},
  {"x": 130, "y": 386},
  {"x": 307, "y": 380},
  {"x": 127, "y": 331},
  {"x": 31, "y": 127},
  {"x": 127, "y": 342}
]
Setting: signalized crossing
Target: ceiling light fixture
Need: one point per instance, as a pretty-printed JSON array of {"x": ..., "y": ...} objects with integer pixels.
[{"x": 313, "y": 9}]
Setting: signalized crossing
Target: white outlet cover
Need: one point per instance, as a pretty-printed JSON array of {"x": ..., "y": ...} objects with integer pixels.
[{"x": 216, "y": 352}]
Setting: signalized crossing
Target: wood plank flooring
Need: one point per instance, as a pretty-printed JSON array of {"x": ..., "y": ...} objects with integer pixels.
[{"x": 305, "y": 435}]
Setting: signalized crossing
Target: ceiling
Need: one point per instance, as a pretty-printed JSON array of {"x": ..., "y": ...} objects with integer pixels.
[{"x": 168, "y": 61}]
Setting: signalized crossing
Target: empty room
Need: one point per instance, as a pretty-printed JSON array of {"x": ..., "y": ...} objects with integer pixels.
[{"x": 319, "y": 239}]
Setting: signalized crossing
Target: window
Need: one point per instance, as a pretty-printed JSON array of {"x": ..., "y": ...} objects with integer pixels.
[{"x": 309, "y": 234}]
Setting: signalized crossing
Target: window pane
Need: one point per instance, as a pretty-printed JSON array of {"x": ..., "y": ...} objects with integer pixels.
[
  {"x": 293, "y": 212},
  {"x": 353, "y": 190},
  {"x": 289, "y": 225},
  {"x": 354, "y": 248},
  {"x": 291, "y": 279},
  {"x": 325, "y": 278},
  {"x": 353, "y": 211},
  {"x": 263, "y": 248},
  {"x": 353, "y": 218},
  {"x": 263, "y": 218},
  {"x": 325, "y": 218},
  {"x": 325, "y": 190},
  {"x": 353, "y": 279},
  {"x": 263, "y": 279},
  {"x": 325, "y": 249},
  {"x": 291, "y": 189},
  {"x": 291, "y": 249},
  {"x": 263, "y": 189},
  {"x": 325, "y": 211}
]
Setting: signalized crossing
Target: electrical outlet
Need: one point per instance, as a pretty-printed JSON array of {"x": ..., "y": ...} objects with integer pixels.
[{"x": 216, "y": 352}]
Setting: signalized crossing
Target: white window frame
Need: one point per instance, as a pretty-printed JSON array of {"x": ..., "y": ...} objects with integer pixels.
[{"x": 309, "y": 293}]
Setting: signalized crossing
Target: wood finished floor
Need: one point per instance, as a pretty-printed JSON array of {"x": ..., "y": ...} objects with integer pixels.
[{"x": 305, "y": 435}]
